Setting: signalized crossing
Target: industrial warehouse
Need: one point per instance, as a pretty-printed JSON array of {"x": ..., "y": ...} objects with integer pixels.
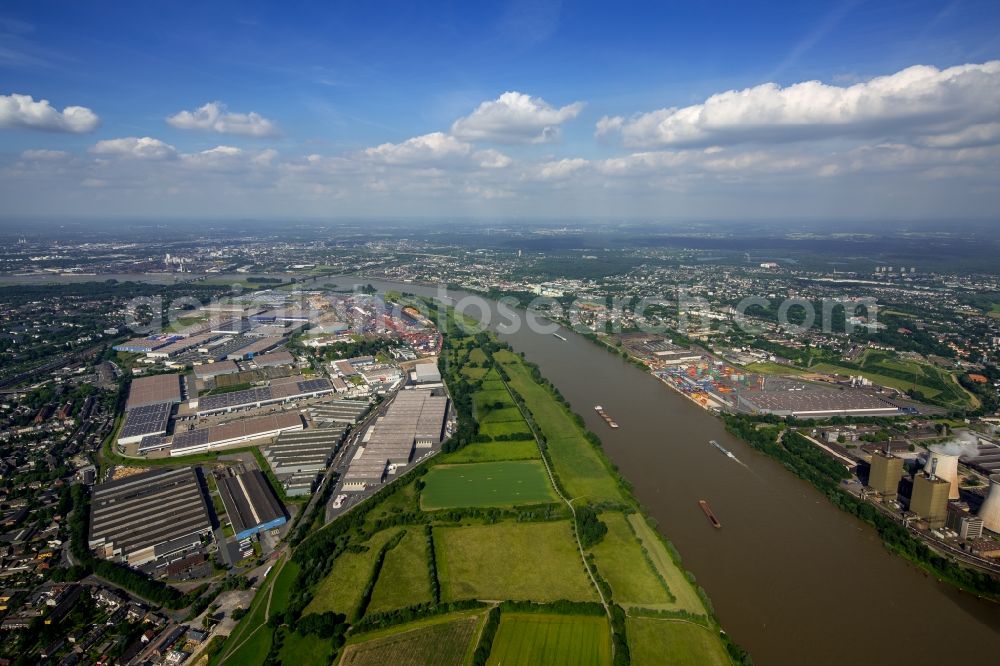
[
  {"x": 150, "y": 517},
  {"x": 817, "y": 403},
  {"x": 415, "y": 419},
  {"x": 200, "y": 440},
  {"x": 250, "y": 503},
  {"x": 298, "y": 457}
]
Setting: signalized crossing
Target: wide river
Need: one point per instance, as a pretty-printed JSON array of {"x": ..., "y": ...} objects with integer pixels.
[{"x": 792, "y": 578}]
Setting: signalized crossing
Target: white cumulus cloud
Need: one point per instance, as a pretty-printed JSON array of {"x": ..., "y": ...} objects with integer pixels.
[
  {"x": 420, "y": 149},
  {"x": 515, "y": 118},
  {"x": 23, "y": 112},
  {"x": 214, "y": 117},
  {"x": 559, "y": 169},
  {"x": 916, "y": 101},
  {"x": 142, "y": 148}
]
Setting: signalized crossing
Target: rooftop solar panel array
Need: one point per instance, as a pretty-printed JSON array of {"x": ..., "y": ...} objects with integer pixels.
[{"x": 146, "y": 420}]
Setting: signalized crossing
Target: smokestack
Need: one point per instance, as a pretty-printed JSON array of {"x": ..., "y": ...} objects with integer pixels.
[
  {"x": 990, "y": 510},
  {"x": 945, "y": 466}
]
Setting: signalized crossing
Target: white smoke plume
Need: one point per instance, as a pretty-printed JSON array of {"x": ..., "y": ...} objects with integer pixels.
[{"x": 965, "y": 444}]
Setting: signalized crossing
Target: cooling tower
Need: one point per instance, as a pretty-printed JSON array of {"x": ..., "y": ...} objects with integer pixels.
[
  {"x": 990, "y": 510},
  {"x": 947, "y": 468}
]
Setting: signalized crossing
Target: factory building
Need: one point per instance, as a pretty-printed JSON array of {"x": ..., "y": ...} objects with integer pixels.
[
  {"x": 145, "y": 421},
  {"x": 281, "y": 390},
  {"x": 274, "y": 359},
  {"x": 885, "y": 473},
  {"x": 817, "y": 403},
  {"x": 426, "y": 373},
  {"x": 300, "y": 454},
  {"x": 154, "y": 390},
  {"x": 415, "y": 419},
  {"x": 200, "y": 440},
  {"x": 338, "y": 411},
  {"x": 250, "y": 504},
  {"x": 159, "y": 515},
  {"x": 930, "y": 499},
  {"x": 212, "y": 370}
]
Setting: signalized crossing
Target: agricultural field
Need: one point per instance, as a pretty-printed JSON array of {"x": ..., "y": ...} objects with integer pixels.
[
  {"x": 578, "y": 465},
  {"x": 655, "y": 641},
  {"x": 490, "y": 451},
  {"x": 686, "y": 598},
  {"x": 404, "y": 579},
  {"x": 518, "y": 427},
  {"x": 342, "y": 588},
  {"x": 504, "y": 483},
  {"x": 523, "y": 561},
  {"x": 443, "y": 641},
  {"x": 538, "y": 638},
  {"x": 621, "y": 561}
]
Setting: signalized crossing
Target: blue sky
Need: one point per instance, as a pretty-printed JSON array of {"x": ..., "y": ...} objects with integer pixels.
[{"x": 530, "y": 109}]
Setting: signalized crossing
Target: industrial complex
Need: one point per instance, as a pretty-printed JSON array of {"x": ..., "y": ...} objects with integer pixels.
[{"x": 151, "y": 517}]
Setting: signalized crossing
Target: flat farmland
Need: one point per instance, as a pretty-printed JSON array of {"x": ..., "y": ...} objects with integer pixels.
[
  {"x": 654, "y": 641},
  {"x": 403, "y": 580},
  {"x": 503, "y": 483},
  {"x": 524, "y": 561},
  {"x": 342, "y": 588},
  {"x": 447, "y": 642},
  {"x": 622, "y": 563},
  {"x": 685, "y": 596},
  {"x": 553, "y": 640},
  {"x": 490, "y": 451}
]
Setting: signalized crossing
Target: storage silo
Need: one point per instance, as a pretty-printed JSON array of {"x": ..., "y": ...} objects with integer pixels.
[
  {"x": 990, "y": 510},
  {"x": 947, "y": 468}
]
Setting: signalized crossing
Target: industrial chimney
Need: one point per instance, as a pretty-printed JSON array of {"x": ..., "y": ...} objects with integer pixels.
[
  {"x": 945, "y": 466},
  {"x": 990, "y": 510}
]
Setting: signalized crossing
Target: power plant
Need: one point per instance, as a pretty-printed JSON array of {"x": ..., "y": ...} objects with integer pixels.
[
  {"x": 990, "y": 510},
  {"x": 947, "y": 468},
  {"x": 930, "y": 497},
  {"x": 884, "y": 475}
]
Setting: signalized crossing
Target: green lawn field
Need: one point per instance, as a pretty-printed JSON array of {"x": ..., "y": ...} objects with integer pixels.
[
  {"x": 490, "y": 451},
  {"x": 506, "y": 428},
  {"x": 621, "y": 561},
  {"x": 504, "y": 483},
  {"x": 556, "y": 640},
  {"x": 686, "y": 598},
  {"x": 404, "y": 579},
  {"x": 524, "y": 561},
  {"x": 444, "y": 640},
  {"x": 577, "y": 463},
  {"x": 654, "y": 641},
  {"x": 342, "y": 588},
  {"x": 302, "y": 650}
]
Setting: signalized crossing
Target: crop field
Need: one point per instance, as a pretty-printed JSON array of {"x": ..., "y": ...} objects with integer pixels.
[
  {"x": 505, "y": 415},
  {"x": 491, "y": 451},
  {"x": 486, "y": 484},
  {"x": 654, "y": 641},
  {"x": 404, "y": 579},
  {"x": 622, "y": 563},
  {"x": 524, "y": 561},
  {"x": 577, "y": 464},
  {"x": 506, "y": 428},
  {"x": 536, "y": 638},
  {"x": 686, "y": 598},
  {"x": 342, "y": 588},
  {"x": 443, "y": 642}
]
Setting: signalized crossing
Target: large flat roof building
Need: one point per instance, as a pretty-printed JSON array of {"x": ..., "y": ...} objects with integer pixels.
[
  {"x": 154, "y": 390},
  {"x": 157, "y": 515},
  {"x": 250, "y": 503},
  {"x": 816, "y": 403},
  {"x": 200, "y": 440}
]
